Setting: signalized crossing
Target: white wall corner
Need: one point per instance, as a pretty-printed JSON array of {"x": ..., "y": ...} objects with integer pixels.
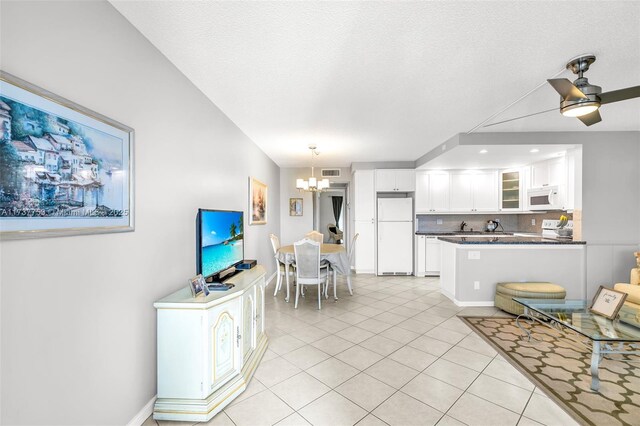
[{"x": 143, "y": 414}]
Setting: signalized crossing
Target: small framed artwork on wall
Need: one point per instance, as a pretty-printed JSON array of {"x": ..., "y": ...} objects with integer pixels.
[
  {"x": 257, "y": 202},
  {"x": 295, "y": 206}
]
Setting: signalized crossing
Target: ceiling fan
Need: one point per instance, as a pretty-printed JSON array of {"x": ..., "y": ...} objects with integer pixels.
[{"x": 581, "y": 99}]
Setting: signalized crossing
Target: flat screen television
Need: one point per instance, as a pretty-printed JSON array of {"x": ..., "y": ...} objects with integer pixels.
[{"x": 219, "y": 242}]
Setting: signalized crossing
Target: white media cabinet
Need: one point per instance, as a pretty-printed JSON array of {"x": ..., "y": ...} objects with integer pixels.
[{"x": 209, "y": 347}]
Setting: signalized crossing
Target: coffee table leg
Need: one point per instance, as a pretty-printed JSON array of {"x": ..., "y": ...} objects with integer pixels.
[{"x": 595, "y": 362}]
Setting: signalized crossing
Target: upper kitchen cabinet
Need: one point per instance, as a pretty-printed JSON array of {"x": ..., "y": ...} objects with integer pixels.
[
  {"x": 511, "y": 190},
  {"x": 364, "y": 195},
  {"x": 432, "y": 192},
  {"x": 474, "y": 192},
  {"x": 551, "y": 172},
  {"x": 402, "y": 180}
]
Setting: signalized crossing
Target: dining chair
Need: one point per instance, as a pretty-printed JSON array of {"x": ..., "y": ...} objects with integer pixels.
[
  {"x": 280, "y": 267},
  {"x": 335, "y": 281},
  {"x": 315, "y": 236},
  {"x": 308, "y": 271}
]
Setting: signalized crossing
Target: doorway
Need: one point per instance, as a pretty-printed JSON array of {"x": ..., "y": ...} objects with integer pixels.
[{"x": 332, "y": 203}]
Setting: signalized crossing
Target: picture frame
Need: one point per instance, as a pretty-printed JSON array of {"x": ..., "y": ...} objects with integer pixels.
[
  {"x": 258, "y": 192},
  {"x": 295, "y": 206},
  {"x": 68, "y": 170},
  {"x": 197, "y": 285},
  {"x": 607, "y": 302}
]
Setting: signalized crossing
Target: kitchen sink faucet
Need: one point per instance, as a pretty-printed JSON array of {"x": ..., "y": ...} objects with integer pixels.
[{"x": 462, "y": 225}]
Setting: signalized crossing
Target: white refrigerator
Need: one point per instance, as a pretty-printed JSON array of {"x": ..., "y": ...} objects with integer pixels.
[{"x": 395, "y": 236}]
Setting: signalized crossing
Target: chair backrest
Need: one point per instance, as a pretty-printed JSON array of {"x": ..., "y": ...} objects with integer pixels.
[
  {"x": 352, "y": 247},
  {"x": 275, "y": 243},
  {"x": 307, "y": 254},
  {"x": 315, "y": 236}
]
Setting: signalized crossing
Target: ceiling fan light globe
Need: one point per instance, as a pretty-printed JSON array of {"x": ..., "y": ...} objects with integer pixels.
[{"x": 580, "y": 109}]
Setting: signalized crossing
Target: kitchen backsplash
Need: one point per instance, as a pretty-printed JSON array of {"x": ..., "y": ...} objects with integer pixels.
[{"x": 477, "y": 222}]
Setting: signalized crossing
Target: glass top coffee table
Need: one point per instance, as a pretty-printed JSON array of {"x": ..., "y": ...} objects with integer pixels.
[{"x": 604, "y": 336}]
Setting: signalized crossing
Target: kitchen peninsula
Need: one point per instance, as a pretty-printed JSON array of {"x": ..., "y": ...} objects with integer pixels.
[{"x": 472, "y": 266}]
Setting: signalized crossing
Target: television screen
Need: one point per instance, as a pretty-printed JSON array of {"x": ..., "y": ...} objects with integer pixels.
[{"x": 220, "y": 240}]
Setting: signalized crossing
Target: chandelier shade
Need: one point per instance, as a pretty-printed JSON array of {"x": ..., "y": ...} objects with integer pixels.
[{"x": 312, "y": 184}]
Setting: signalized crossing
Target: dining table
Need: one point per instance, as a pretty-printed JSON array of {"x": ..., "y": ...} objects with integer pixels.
[{"x": 334, "y": 254}]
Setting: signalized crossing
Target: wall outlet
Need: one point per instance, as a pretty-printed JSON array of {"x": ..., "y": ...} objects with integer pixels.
[
  {"x": 476, "y": 285},
  {"x": 533, "y": 222},
  {"x": 474, "y": 255},
  {"x": 439, "y": 221}
]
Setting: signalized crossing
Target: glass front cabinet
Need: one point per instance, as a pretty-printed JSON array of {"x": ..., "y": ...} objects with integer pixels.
[{"x": 511, "y": 190}]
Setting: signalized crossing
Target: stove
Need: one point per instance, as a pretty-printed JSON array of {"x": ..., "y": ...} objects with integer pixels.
[{"x": 550, "y": 229}]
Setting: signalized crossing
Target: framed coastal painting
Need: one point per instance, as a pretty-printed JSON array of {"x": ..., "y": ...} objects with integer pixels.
[
  {"x": 257, "y": 202},
  {"x": 295, "y": 206},
  {"x": 64, "y": 169}
]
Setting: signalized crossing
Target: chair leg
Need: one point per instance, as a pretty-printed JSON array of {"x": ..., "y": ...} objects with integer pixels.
[
  {"x": 295, "y": 306},
  {"x": 349, "y": 284},
  {"x": 319, "y": 297},
  {"x": 278, "y": 281},
  {"x": 286, "y": 272},
  {"x": 335, "y": 284}
]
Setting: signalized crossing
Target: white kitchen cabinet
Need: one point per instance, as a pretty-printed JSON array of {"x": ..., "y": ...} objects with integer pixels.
[
  {"x": 364, "y": 202},
  {"x": 389, "y": 180},
  {"x": 365, "y": 249},
  {"x": 551, "y": 172},
  {"x": 470, "y": 192},
  {"x": 432, "y": 192},
  {"x": 432, "y": 256},
  {"x": 200, "y": 346},
  {"x": 461, "y": 192},
  {"x": 420, "y": 255},
  {"x": 485, "y": 191},
  {"x": 511, "y": 190}
]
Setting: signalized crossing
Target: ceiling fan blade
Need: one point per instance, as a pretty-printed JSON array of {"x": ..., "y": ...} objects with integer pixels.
[
  {"x": 620, "y": 95},
  {"x": 566, "y": 89},
  {"x": 522, "y": 116},
  {"x": 591, "y": 118}
]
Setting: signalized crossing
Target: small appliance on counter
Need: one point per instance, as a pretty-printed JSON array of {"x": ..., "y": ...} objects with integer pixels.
[{"x": 551, "y": 228}]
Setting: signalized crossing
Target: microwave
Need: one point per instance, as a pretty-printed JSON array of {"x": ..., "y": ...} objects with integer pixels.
[{"x": 544, "y": 198}]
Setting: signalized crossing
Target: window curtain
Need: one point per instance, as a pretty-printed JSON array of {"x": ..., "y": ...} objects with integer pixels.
[{"x": 337, "y": 207}]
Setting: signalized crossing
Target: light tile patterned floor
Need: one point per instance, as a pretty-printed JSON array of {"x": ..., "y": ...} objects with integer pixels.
[{"x": 393, "y": 353}]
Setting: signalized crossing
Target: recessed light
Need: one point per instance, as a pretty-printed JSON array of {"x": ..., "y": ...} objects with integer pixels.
[
  {"x": 534, "y": 150},
  {"x": 483, "y": 151}
]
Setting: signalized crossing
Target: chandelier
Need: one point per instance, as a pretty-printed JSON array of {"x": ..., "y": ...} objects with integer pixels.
[{"x": 312, "y": 184}]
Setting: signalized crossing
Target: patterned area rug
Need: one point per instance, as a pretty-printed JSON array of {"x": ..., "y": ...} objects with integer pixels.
[{"x": 560, "y": 367}]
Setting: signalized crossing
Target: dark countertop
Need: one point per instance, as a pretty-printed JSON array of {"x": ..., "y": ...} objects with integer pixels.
[
  {"x": 439, "y": 233},
  {"x": 509, "y": 240}
]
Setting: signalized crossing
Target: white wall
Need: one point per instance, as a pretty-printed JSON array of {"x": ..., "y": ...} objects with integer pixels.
[{"x": 78, "y": 325}]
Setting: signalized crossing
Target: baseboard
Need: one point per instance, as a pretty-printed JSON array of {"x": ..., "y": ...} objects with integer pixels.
[
  {"x": 143, "y": 414},
  {"x": 271, "y": 279}
]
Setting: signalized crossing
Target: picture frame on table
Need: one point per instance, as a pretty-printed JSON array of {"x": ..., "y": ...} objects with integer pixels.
[
  {"x": 197, "y": 285},
  {"x": 295, "y": 206},
  {"x": 607, "y": 302},
  {"x": 257, "y": 202},
  {"x": 67, "y": 170}
]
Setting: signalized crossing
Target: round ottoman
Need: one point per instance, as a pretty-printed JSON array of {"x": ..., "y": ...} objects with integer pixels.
[{"x": 505, "y": 292}]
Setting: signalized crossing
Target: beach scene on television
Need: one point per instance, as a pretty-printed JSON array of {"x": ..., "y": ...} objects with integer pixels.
[
  {"x": 222, "y": 234},
  {"x": 52, "y": 167}
]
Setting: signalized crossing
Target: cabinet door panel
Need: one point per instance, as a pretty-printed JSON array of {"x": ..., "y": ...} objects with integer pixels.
[
  {"x": 540, "y": 174},
  {"x": 485, "y": 192},
  {"x": 439, "y": 192},
  {"x": 422, "y": 192},
  {"x": 385, "y": 180},
  {"x": 224, "y": 347},
  {"x": 405, "y": 180},
  {"x": 248, "y": 324},
  {"x": 421, "y": 253},
  {"x": 461, "y": 195},
  {"x": 259, "y": 310},
  {"x": 432, "y": 263},
  {"x": 364, "y": 191},
  {"x": 365, "y": 247}
]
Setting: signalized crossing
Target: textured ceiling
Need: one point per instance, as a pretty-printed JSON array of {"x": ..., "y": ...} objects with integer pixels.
[{"x": 388, "y": 81}]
